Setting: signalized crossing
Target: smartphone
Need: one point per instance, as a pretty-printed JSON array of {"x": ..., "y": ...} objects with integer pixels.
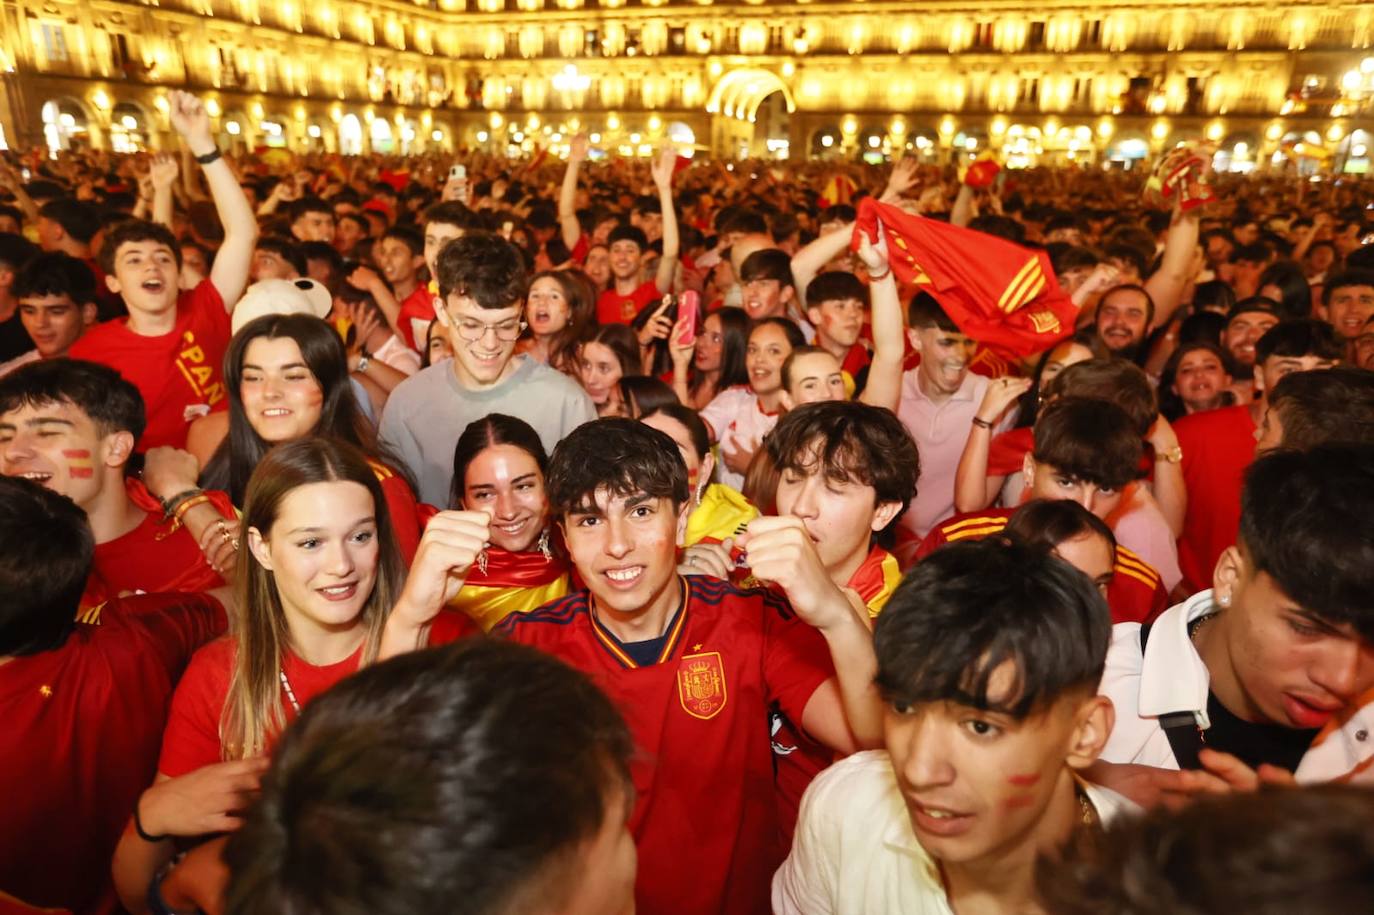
[
  {"x": 458, "y": 171},
  {"x": 689, "y": 311},
  {"x": 25, "y": 173}
]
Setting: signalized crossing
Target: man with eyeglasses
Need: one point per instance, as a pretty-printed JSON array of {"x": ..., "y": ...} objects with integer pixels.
[{"x": 482, "y": 286}]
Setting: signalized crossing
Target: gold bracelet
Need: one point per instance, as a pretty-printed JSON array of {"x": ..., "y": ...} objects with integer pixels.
[{"x": 189, "y": 504}]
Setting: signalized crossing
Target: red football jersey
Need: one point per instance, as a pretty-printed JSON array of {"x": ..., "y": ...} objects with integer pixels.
[
  {"x": 614, "y": 308},
  {"x": 192, "y": 737},
  {"x": 418, "y": 306},
  {"x": 157, "y": 556},
  {"x": 1218, "y": 445},
  {"x": 705, "y": 818},
  {"x": 82, "y": 726},
  {"x": 179, "y": 373},
  {"x": 1136, "y": 594},
  {"x": 403, "y": 508}
]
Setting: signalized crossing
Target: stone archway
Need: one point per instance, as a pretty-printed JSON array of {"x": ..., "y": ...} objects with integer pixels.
[{"x": 735, "y": 104}]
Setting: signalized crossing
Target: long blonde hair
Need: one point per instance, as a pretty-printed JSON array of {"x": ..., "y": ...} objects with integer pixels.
[{"x": 253, "y": 706}]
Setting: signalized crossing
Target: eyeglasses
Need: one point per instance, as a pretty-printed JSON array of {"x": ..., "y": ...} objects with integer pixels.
[{"x": 472, "y": 331}]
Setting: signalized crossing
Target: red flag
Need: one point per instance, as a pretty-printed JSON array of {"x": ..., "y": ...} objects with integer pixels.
[{"x": 999, "y": 293}]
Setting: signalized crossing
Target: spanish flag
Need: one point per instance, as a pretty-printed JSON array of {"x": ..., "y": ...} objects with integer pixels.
[
  {"x": 876, "y": 579},
  {"x": 839, "y": 189},
  {"x": 999, "y": 293},
  {"x": 511, "y": 583}
]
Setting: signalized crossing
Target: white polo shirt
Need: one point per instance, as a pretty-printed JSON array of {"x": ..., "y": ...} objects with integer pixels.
[
  {"x": 1170, "y": 677},
  {"x": 855, "y": 852}
]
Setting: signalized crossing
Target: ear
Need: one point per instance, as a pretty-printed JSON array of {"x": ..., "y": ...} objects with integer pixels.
[
  {"x": 1259, "y": 377},
  {"x": 813, "y": 314},
  {"x": 112, "y": 284},
  {"x": 788, "y": 294},
  {"x": 90, "y": 313},
  {"x": 708, "y": 467},
  {"x": 1028, "y": 470},
  {"x": 883, "y": 515},
  {"x": 682, "y": 514},
  {"x": 259, "y": 548},
  {"x": 785, "y": 400},
  {"x": 116, "y": 448},
  {"x": 1092, "y": 725},
  {"x": 442, "y": 316},
  {"x": 913, "y": 336},
  {"x": 1229, "y": 571}
]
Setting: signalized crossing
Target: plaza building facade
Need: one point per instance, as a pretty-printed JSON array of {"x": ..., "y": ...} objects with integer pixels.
[{"x": 1272, "y": 85}]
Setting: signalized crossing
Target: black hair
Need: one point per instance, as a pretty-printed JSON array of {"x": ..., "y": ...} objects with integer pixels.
[
  {"x": 1171, "y": 405},
  {"x": 306, "y": 205},
  {"x": 456, "y": 214},
  {"x": 77, "y": 218},
  {"x": 1254, "y": 253},
  {"x": 112, "y": 403},
  {"x": 1073, "y": 258},
  {"x": 1346, "y": 278},
  {"x": 46, "y": 551},
  {"x": 1299, "y": 337},
  {"x": 357, "y": 218},
  {"x": 473, "y": 772},
  {"x": 1132, "y": 287},
  {"x": 484, "y": 267},
  {"x": 854, "y": 442},
  {"x": 691, "y": 421},
  {"x": 16, "y": 251},
  {"x": 926, "y": 312},
  {"x": 971, "y": 607},
  {"x": 734, "y": 333},
  {"x": 1129, "y": 253},
  {"x": 795, "y": 337},
  {"x": 1202, "y": 327},
  {"x": 233, "y": 463},
  {"x": 287, "y": 249},
  {"x": 741, "y": 220},
  {"x": 627, "y": 232},
  {"x": 1029, "y": 402},
  {"x": 1295, "y": 295},
  {"x": 1090, "y": 440},
  {"x": 409, "y": 236},
  {"x": 1046, "y": 523},
  {"x": 1117, "y": 380},
  {"x": 55, "y": 273},
  {"x": 641, "y": 394},
  {"x": 622, "y": 456},
  {"x": 136, "y": 230},
  {"x": 767, "y": 264},
  {"x": 623, "y": 344},
  {"x": 835, "y": 286},
  {"x": 1213, "y": 295},
  {"x": 1307, "y": 520},
  {"x": 1325, "y": 406},
  {"x": 487, "y": 432}
]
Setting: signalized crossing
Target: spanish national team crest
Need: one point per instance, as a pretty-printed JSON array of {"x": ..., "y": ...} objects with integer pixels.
[{"x": 701, "y": 684}]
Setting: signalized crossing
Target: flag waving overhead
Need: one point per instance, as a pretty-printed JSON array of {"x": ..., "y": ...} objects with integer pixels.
[{"x": 999, "y": 293}]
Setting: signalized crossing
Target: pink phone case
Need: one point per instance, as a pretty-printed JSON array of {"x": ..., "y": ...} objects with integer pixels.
[{"x": 689, "y": 308}]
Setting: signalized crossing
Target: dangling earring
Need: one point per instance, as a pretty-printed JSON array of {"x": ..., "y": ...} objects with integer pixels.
[{"x": 544, "y": 544}]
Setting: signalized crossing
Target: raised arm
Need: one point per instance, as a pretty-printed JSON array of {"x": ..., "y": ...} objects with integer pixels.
[
  {"x": 235, "y": 255},
  {"x": 884, "y": 387},
  {"x": 973, "y": 488},
  {"x": 964, "y": 207},
  {"x": 11, "y": 181},
  {"x": 163, "y": 172},
  {"x": 567, "y": 194},
  {"x": 1166, "y": 284},
  {"x": 662, "y": 172},
  {"x": 809, "y": 260}
]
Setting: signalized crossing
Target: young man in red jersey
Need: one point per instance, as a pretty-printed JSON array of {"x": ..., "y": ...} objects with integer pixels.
[
  {"x": 628, "y": 296},
  {"x": 172, "y": 344},
  {"x": 695, "y": 664},
  {"x": 1086, "y": 450},
  {"x": 71, "y": 426},
  {"x": 83, "y": 706},
  {"x": 1219, "y": 444}
]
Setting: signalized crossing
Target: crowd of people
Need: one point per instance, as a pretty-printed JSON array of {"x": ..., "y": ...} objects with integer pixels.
[{"x": 681, "y": 536}]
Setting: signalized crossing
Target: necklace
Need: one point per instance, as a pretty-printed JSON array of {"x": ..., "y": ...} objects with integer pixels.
[
  {"x": 1196, "y": 625},
  {"x": 290, "y": 693}
]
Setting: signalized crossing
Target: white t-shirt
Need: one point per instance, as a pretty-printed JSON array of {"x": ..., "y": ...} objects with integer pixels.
[{"x": 736, "y": 421}]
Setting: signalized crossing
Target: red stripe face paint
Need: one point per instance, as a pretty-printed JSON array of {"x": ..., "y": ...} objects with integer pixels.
[
  {"x": 80, "y": 466},
  {"x": 1018, "y": 801},
  {"x": 1024, "y": 781}
]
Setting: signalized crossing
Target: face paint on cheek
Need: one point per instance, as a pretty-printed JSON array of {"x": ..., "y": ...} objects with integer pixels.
[
  {"x": 1018, "y": 801},
  {"x": 1023, "y": 781},
  {"x": 79, "y": 463}
]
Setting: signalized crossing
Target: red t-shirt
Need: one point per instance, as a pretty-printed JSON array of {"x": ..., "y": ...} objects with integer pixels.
[
  {"x": 418, "y": 306},
  {"x": 1218, "y": 445},
  {"x": 191, "y": 739},
  {"x": 403, "y": 508},
  {"x": 705, "y": 818},
  {"x": 179, "y": 373},
  {"x": 614, "y": 308},
  {"x": 82, "y": 725},
  {"x": 158, "y": 555},
  {"x": 1136, "y": 594}
]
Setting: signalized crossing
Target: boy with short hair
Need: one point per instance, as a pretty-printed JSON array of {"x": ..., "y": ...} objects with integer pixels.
[
  {"x": 989, "y": 654},
  {"x": 482, "y": 282},
  {"x": 1088, "y": 451},
  {"x": 72, "y": 426},
  {"x": 1278, "y": 648},
  {"x": 172, "y": 344},
  {"x": 627, "y": 296},
  {"x": 695, "y": 664},
  {"x": 766, "y": 278},
  {"x": 57, "y": 302},
  {"x": 1323, "y": 406},
  {"x": 312, "y": 220},
  {"x": 66, "y": 689},
  {"x": 836, "y": 303}
]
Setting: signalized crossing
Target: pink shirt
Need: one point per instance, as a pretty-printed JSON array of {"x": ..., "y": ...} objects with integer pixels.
[
  {"x": 940, "y": 431},
  {"x": 1140, "y": 527}
]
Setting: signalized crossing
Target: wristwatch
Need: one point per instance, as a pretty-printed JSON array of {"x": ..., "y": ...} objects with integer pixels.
[
  {"x": 364, "y": 357},
  {"x": 1174, "y": 455}
]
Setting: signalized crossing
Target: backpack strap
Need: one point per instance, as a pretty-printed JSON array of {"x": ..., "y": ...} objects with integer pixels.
[{"x": 1185, "y": 737}]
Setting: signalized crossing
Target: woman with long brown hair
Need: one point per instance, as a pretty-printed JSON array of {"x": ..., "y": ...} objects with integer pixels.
[
  {"x": 322, "y": 593},
  {"x": 560, "y": 311}
]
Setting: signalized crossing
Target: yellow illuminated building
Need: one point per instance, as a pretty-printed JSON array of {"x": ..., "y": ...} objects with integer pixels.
[{"x": 1048, "y": 82}]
